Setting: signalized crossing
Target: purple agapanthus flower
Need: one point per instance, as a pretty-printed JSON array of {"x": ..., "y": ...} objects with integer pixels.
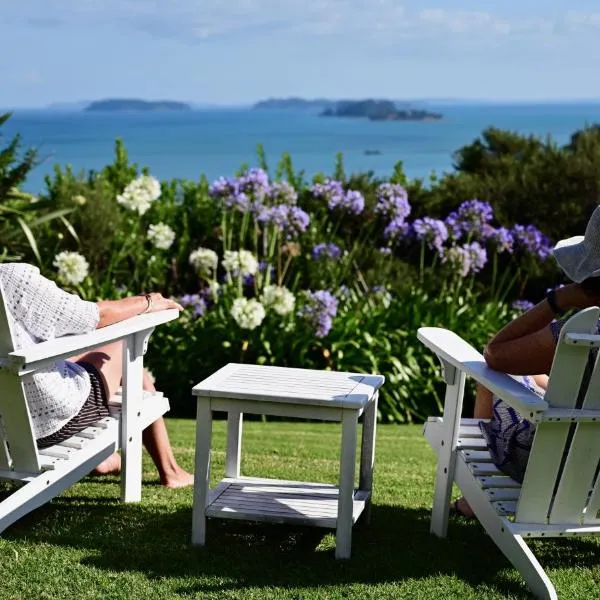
[
  {"x": 239, "y": 201},
  {"x": 475, "y": 212},
  {"x": 522, "y": 305},
  {"x": 532, "y": 240},
  {"x": 230, "y": 192},
  {"x": 432, "y": 231},
  {"x": 392, "y": 201},
  {"x": 259, "y": 211},
  {"x": 223, "y": 187},
  {"x": 298, "y": 221},
  {"x": 275, "y": 215},
  {"x": 319, "y": 311},
  {"x": 470, "y": 217},
  {"x": 385, "y": 250},
  {"x": 290, "y": 219},
  {"x": 396, "y": 229},
  {"x": 354, "y": 202},
  {"x": 465, "y": 259},
  {"x": 254, "y": 182},
  {"x": 500, "y": 239},
  {"x": 326, "y": 250},
  {"x": 477, "y": 256},
  {"x": 453, "y": 226},
  {"x": 333, "y": 192},
  {"x": 282, "y": 192},
  {"x": 194, "y": 301},
  {"x": 330, "y": 190}
]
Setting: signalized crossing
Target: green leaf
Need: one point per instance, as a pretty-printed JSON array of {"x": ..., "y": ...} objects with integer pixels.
[{"x": 30, "y": 238}]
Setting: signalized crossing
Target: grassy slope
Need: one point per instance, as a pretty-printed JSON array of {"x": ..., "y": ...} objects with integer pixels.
[{"x": 86, "y": 545}]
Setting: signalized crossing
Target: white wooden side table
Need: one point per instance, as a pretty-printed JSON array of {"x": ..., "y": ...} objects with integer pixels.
[{"x": 323, "y": 395}]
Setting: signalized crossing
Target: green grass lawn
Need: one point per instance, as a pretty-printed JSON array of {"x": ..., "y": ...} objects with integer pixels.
[{"x": 85, "y": 544}]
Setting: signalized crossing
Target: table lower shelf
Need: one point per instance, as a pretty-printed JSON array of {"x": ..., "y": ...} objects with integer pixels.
[{"x": 278, "y": 501}]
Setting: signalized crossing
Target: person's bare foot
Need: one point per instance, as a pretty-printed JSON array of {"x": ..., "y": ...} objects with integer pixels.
[
  {"x": 461, "y": 507},
  {"x": 177, "y": 478},
  {"x": 109, "y": 466}
]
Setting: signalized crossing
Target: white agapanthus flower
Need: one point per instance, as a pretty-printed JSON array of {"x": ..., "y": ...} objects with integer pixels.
[
  {"x": 72, "y": 267},
  {"x": 279, "y": 299},
  {"x": 161, "y": 236},
  {"x": 204, "y": 260},
  {"x": 140, "y": 194},
  {"x": 242, "y": 262},
  {"x": 248, "y": 314}
]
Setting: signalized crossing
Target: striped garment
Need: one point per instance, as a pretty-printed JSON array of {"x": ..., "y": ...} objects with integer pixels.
[{"x": 94, "y": 409}]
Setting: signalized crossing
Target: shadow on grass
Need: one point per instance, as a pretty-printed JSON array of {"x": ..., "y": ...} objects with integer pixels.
[{"x": 155, "y": 541}]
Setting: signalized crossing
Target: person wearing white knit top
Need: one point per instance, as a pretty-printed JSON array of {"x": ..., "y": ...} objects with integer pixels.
[{"x": 64, "y": 398}]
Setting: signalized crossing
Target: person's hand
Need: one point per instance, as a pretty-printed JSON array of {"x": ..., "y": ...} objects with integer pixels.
[
  {"x": 159, "y": 302},
  {"x": 574, "y": 295}
]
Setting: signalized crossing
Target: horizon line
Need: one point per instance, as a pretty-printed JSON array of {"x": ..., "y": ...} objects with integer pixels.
[{"x": 250, "y": 103}]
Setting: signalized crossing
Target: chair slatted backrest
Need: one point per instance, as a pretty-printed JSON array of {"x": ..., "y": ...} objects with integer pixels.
[
  {"x": 562, "y": 466},
  {"x": 18, "y": 450}
]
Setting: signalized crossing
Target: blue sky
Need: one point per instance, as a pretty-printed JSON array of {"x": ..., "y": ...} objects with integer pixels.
[{"x": 237, "y": 51}]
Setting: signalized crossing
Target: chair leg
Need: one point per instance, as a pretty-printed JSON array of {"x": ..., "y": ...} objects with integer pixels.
[
  {"x": 511, "y": 544},
  {"x": 46, "y": 486},
  {"x": 520, "y": 555},
  {"x": 446, "y": 450}
]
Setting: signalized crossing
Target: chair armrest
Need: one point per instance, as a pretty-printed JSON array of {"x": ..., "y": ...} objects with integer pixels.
[
  {"x": 452, "y": 349},
  {"x": 46, "y": 353}
]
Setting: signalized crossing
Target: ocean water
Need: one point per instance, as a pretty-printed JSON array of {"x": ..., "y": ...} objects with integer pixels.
[{"x": 218, "y": 142}]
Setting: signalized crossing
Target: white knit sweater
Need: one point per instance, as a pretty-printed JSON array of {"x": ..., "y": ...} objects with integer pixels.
[{"x": 38, "y": 310}]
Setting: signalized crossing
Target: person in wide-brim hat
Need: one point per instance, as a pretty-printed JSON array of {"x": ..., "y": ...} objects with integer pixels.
[
  {"x": 525, "y": 347},
  {"x": 579, "y": 256}
]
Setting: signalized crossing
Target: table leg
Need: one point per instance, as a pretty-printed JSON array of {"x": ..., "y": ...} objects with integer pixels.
[
  {"x": 235, "y": 420},
  {"x": 367, "y": 454},
  {"x": 343, "y": 536},
  {"x": 201, "y": 471},
  {"x": 131, "y": 431}
]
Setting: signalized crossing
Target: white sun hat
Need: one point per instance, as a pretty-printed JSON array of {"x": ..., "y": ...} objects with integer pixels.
[{"x": 579, "y": 256}]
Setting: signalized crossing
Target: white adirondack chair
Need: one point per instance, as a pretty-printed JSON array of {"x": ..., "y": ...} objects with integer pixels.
[
  {"x": 560, "y": 494},
  {"x": 46, "y": 473}
]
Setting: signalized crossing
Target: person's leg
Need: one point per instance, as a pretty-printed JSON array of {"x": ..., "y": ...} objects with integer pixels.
[
  {"x": 483, "y": 403},
  {"x": 156, "y": 441},
  {"x": 108, "y": 361},
  {"x": 483, "y": 410}
]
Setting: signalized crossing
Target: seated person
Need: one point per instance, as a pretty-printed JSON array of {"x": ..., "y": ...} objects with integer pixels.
[
  {"x": 527, "y": 345},
  {"x": 73, "y": 394}
]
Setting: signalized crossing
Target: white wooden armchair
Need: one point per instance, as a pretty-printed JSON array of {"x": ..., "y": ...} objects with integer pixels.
[
  {"x": 560, "y": 494},
  {"x": 46, "y": 473}
]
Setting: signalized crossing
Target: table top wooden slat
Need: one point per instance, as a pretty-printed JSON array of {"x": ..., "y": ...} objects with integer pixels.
[{"x": 290, "y": 385}]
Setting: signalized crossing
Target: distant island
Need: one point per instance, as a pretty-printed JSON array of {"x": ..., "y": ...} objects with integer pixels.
[
  {"x": 378, "y": 110},
  {"x": 129, "y": 105},
  {"x": 375, "y": 110}
]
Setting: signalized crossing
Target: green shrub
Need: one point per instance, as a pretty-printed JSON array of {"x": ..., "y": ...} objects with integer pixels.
[{"x": 336, "y": 273}]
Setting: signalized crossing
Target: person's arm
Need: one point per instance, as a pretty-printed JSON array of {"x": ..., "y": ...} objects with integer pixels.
[
  {"x": 526, "y": 345},
  {"x": 113, "y": 311}
]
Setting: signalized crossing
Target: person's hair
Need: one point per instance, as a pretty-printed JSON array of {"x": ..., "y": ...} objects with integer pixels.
[{"x": 591, "y": 285}]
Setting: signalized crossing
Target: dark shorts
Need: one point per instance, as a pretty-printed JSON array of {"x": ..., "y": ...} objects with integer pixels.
[{"x": 94, "y": 409}]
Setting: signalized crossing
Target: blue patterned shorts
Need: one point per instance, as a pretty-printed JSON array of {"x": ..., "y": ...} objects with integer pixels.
[{"x": 509, "y": 436}]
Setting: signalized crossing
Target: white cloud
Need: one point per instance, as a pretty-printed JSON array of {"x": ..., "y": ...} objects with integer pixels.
[
  {"x": 373, "y": 19},
  {"x": 578, "y": 20}
]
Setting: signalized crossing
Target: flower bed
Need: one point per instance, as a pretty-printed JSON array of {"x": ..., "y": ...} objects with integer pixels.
[{"x": 329, "y": 274}]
